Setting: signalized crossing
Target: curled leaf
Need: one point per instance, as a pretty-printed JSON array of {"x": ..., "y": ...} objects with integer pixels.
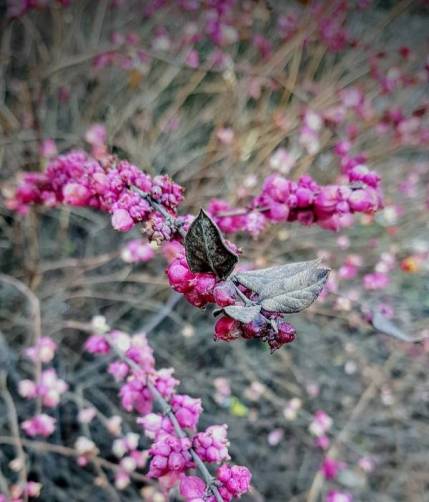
[
  {"x": 206, "y": 250},
  {"x": 241, "y": 313},
  {"x": 288, "y": 288}
]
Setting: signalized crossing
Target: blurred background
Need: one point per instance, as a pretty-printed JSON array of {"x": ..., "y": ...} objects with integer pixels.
[{"x": 219, "y": 95}]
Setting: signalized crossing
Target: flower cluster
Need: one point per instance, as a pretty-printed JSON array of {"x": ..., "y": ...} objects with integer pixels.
[
  {"x": 201, "y": 289},
  {"x": 47, "y": 388},
  {"x": 130, "y": 457},
  {"x": 305, "y": 201},
  {"x": 319, "y": 427},
  {"x": 137, "y": 251},
  {"x": 39, "y": 425},
  {"x": 260, "y": 328},
  {"x": 21, "y": 492},
  {"x": 211, "y": 29},
  {"x": 110, "y": 185},
  {"x": 233, "y": 482},
  {"x": 173, "y": 451}
]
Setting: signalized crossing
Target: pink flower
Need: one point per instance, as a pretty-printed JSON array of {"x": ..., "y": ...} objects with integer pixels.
[
  {"x": 212, "y": 445},
  {"x": 169, "y": 454},
  {"x": 187, "y": 410},
  {"x": 97, "y": 344},
  {"x": 122, "y": 221},
  {"x": 119, "y": 370},
  {"x": 226, "y": 329},
  {"x": 348, "y": 271},
  {"x": 320, "y": 424},
  {"x": 330, "y": 468},
  {"x": 192, "y": 488},
  {"x": 96, "y": 135},
  {"x": 154, "y": 424},
  {"x": 376, "y": 280},
  {"x": 275, "y": 436},
  {"x": 165, "y": 382},
  {"x": 235, "y": 481},
  {"x": 27, "y": 389},
  {"x": 282, "y": 160},
  {"x": 48, "y": 148},
  {"x": 78, "y": 179},
  {"x": 322, "y": 442},
  {"x": 192, "y": 59},
  {"x": 141, "y": 352},
  {"x": 336, "y": 496},
  {"x": 225, "y": 135},
  {"x": 137, "y": 251},
  {"x": 76, "y": 194},
  {"x": 135, "y": 396},
  {"x": 39, "y": 425},
  {"x": 50, "y": 388},
  {"x": 43, "y": 351}
]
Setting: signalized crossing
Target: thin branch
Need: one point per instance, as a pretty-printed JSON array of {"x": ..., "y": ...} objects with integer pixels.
[
  {"x": 166, "y": 409},
  {"x": 14, "y": 427},
  {"x": 71, "y": 452}
]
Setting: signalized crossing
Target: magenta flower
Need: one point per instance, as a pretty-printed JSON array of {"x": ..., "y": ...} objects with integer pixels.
[
  {"x": 39, "y": 425},
  {"x": 212, "y": 445},
  {"x": 336, "y": 496}
]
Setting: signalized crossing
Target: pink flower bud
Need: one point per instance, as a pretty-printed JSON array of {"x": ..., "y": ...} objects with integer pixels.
[
  {"x": 226, "y": 329},
  {"x": 192, "y": 488},
  {"x": 40, "y": 425},
  {"x": 180, "y": 276},
  {"x": 121, "y": 220},
  {"x": 224, "y": 294},
  {"x": 76, "y": 194}
]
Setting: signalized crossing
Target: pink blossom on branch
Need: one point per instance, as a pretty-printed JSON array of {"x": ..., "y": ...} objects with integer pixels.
[
  {"x": 40, "y": 425},
  {"x": 173, "y": 451},
  {"x": 305, "y": 201},
  {"x": 109, "y": 185}
]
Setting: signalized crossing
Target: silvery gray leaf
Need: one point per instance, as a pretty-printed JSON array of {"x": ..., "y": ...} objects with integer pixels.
[
  {"x": 244, "y": 314},
  {"x": 289, "y": 288},
  {"x": 297, "y": 299},
  {"x": 388, "y": 327},
  {"x": 206, "y": 250},
  {"x": 257, "y": 280},
  {"x": 293, "y": 282}
]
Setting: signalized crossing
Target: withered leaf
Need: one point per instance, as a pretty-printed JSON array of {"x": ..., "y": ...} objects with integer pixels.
[
  {"x": 241, "y": 313},
  {"x": 287, "y": 288},
  {"x": 206, "y": 250}
]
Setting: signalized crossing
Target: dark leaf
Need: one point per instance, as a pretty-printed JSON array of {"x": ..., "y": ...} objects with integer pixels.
[
  {"x": 287, "y": 288},
  {"x": 206, "y": 250},
  {"x": 243, "y": 313}
]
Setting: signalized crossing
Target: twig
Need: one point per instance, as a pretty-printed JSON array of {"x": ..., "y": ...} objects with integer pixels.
[
  {"x": 14, "y": 426},
  {"x": 71, "y": 452},
  {"x": 36, "y": 318}
]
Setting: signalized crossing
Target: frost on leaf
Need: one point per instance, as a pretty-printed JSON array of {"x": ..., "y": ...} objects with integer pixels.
[
  {"x": 206, "y": 250},
  {"x": 287, "y": 288},
  {"x": 243, "y": 314}
]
